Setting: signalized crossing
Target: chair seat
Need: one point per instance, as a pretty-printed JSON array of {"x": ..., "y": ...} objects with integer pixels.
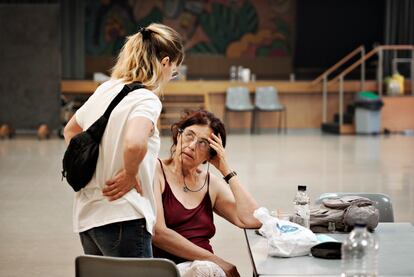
[
  {"x": 270, "y": 108},
  {"x": 240, "y": 108}
]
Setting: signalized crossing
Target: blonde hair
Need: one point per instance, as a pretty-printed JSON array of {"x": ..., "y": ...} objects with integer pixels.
[{"x": 140, "y": 57}]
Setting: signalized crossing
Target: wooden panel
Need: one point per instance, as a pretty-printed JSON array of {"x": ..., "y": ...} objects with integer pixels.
[
  {"x": 211, "y": 87},
  {"x": 78, "y": 86},
  {"x": 303, "y": 100},
  {"x": 398, "y": 113}
]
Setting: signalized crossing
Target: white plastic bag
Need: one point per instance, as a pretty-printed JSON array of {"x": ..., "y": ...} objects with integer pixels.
[{"x": 285, "y": 238}]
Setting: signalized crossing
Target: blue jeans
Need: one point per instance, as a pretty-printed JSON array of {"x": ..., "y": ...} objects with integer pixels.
[{"x": 120, "y": 239}]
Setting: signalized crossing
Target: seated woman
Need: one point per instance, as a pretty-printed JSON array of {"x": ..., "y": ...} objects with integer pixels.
[{"x": 186, "y": 196}]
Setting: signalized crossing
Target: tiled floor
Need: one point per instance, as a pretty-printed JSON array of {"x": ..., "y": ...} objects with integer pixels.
[{"x": 35, "y": 206}]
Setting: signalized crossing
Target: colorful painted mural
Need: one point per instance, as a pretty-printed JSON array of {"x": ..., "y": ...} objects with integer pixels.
[{"x": 234, "y": 29}]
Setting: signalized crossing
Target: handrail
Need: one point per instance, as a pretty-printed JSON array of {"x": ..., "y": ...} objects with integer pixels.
[
  {"x": 377, "y": 50},
  {"x": 338, "y": 64},
  {"x": 360, "y": 62},
  {"x": 324, "y": 77},
  {"x": 369, "y": 55}
]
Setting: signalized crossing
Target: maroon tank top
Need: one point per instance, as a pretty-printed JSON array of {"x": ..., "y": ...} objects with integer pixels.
[{"x": 196, "y": 224}]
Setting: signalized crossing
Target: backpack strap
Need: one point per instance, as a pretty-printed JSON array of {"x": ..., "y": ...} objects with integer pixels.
[{"x": 124, "y": 92}]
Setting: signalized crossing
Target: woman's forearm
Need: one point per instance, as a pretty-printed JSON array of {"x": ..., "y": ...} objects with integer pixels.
[
  {"x": 245, "y": 203},
  {"x": 176, "y": 244},
  {"x": 133, "y": 156}
]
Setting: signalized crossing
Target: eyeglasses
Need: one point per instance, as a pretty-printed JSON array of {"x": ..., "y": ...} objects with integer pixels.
[
  {"x": 201, "y": 143},
  {"x": 174, "y": 74}
]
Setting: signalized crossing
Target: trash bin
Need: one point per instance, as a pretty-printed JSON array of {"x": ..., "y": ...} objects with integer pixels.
[{"x": 368, "y": 113}]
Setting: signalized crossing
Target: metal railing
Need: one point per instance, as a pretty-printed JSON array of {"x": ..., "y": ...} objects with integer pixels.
[
  {"x": 324, "y": 77},
  {"x": 379, "y": 50}
]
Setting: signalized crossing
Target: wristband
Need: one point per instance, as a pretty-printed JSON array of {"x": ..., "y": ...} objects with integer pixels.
[{"x": 229, "y": 176}]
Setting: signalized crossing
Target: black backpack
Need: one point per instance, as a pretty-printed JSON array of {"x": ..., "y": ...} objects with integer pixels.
[{"x": 81, "y": 156}]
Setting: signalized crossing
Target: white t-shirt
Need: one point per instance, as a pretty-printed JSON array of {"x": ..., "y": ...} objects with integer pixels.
[{"x": 91, "y": 208}]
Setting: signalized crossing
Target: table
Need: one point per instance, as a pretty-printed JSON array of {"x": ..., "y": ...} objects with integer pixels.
[{"x": 396, "y": 255}]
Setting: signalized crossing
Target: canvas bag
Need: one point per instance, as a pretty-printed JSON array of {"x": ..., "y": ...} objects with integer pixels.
[
  {"x": 81, "y": 156},
  {"x": 343, "y": 212}
]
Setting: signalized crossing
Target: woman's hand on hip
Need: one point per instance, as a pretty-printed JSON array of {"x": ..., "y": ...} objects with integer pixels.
[{"x": 121, "y": 184}]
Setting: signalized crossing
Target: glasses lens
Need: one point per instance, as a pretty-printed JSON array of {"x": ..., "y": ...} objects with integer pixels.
[
  {"x": 203, "y": 145},
  {"x": 174, "y": 75},
  {"x": 188, "y": 136}
]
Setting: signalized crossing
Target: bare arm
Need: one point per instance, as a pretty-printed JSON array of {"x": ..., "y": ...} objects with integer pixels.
[
  {"x": 72, "y": 128},
  {"x": 233, "y": 201},
  {"x": 138, "y": 130},
  {"x": 137, "y": 133},
  {"x": 174, "y": 243}
]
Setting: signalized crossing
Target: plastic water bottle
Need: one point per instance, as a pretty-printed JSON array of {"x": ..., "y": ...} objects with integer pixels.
[
  {"x": 360, "y": 253},
  {"x": 302, "y": 209},
  {"x": 233, "y": 73},
  {"x": 239, "y": 73}
]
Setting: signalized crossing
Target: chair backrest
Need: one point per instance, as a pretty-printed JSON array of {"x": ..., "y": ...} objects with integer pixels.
[
  {"x": 99, "y": 266},
  {"x": 267, "y": 99},
  {"x": 382, "y": 202},
  {"x": 238, "y": 98}
]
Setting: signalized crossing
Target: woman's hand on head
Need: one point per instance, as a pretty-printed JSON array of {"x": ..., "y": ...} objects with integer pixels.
[
  {"x": 219, "y": 160},
  {"x": 121, "y": 184}
]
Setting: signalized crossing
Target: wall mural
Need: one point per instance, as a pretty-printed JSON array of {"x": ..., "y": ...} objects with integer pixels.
[{"x": 234, "y": 29}]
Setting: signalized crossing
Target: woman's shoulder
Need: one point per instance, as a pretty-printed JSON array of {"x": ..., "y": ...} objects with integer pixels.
[
  {"x": 160, "y": 167},
  {"x": 215, "y": 180},
  {"x": 109, "y": 85},
  {"x": 117, "y": 84},
  {"x": 144, "y": 92}
]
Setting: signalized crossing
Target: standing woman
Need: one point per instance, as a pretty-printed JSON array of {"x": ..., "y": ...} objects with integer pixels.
[{"x": 115, "y": 213}]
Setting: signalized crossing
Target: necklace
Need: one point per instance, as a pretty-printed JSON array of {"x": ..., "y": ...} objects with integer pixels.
[{"x": 187, "y": 189}]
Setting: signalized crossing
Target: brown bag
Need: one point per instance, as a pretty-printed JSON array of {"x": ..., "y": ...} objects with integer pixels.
[{"x": 341, "y": 214}]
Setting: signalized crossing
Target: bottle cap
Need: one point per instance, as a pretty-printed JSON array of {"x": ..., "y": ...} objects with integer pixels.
[{"x": 302, "y": 188}]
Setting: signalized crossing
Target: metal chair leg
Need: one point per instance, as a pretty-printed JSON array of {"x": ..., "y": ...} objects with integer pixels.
[
  {"x": 253, "y": 123},
  {"x": 279, "y": 124}
]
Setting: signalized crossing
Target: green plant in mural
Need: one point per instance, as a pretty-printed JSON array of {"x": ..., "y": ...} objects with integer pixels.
[
  {"x": 225, "y": 24},
  {"x": 283, "y": 27},
  {"x": 281, "y": 44}
]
